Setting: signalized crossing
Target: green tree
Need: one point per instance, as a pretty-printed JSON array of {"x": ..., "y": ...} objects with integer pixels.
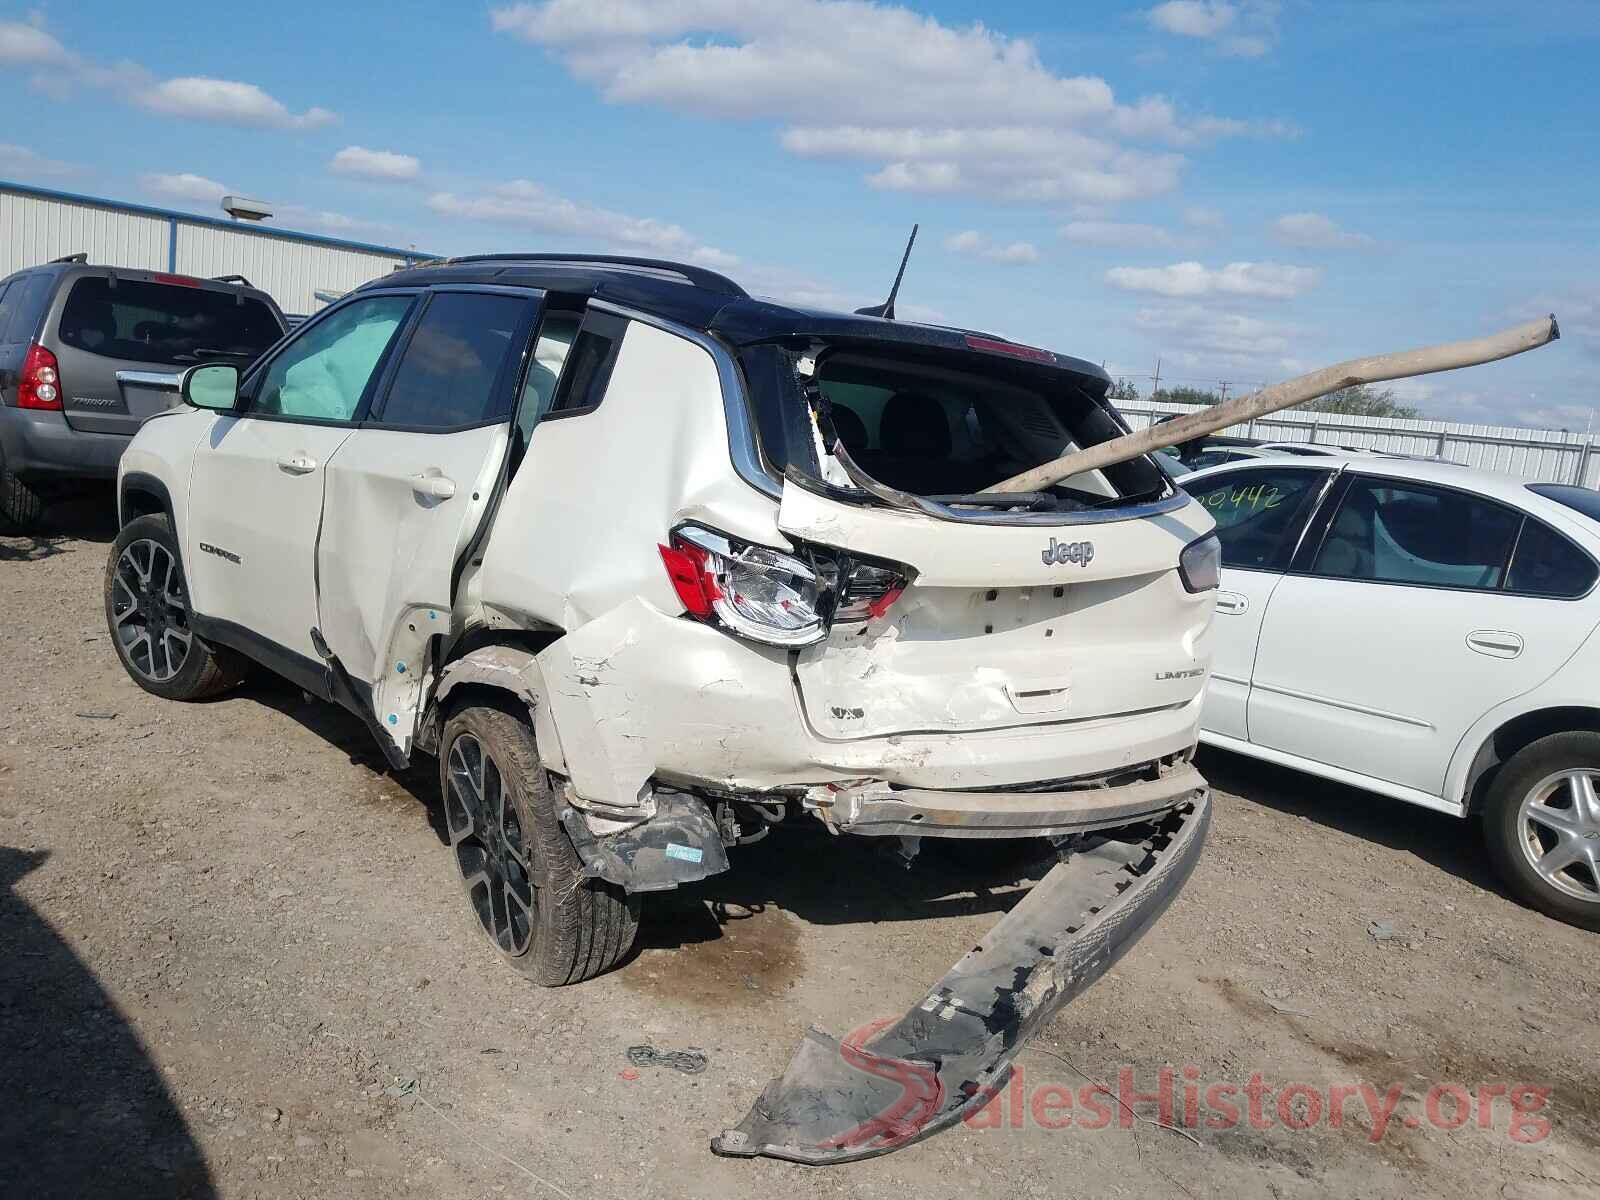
[
  {"x": 1185, "y": 395},
  {"x": 1122, "y": 390},
  {"x": 1362, "y": 400}
]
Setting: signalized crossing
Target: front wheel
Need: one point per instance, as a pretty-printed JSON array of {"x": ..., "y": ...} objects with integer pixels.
[
  {"x": 149, "y": 616},
  {"x": 524, "y": 880},
  {"x": 1542, "y": 826}
]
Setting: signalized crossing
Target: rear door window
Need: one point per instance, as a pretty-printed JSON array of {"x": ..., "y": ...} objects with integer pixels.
[
  {"x": 27, "y": 298},
  {"x": 1392, "y": 531},
  {"x": 1259, "y": 513},
  {"x": 143, "y": 321},
  {"x": 587, "y": 366},
  {"x": 9, "y": 291},
  {"x": 452, "y": 373},
  {"x": 1546, "y": 564}
]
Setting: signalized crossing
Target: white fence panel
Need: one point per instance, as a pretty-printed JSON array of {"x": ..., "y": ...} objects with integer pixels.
[{"x": 1544, "y": 455}]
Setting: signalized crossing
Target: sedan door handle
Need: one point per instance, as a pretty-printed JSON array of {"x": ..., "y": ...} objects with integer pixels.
[
  {"x": 437, "y": 487},
  {"x": 1232, "y": 603},
  {"x": 297, "y": 464},
  {"x": 1496, "y": 643}
]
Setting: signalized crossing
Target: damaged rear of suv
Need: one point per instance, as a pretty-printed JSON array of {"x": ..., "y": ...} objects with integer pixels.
[{"x": 653, "y": 567}]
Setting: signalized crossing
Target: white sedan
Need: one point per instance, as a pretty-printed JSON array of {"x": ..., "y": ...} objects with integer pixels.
[{"x": 1425, "y": 631}]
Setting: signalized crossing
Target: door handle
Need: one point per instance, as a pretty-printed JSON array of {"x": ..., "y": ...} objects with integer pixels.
[
  {"x": 437, "y": 487},
  {"x": 1496, "y": 643},
  {"x": 1232, "y": 603},
  {"x": 297, "y": 464}
]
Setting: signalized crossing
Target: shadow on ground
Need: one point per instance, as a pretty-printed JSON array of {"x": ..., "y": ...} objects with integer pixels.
[
  {"x": 1439, "y": 839},
  {"x": 83, "y": 1110},
  {"x": 86, "y": 515}
]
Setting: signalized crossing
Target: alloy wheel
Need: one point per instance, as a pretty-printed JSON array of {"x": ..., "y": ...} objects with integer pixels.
[
  {"x": 1559, "y": 822},
  {"x": 490, "y": 844},
  {"x": 150, "y": 610}
]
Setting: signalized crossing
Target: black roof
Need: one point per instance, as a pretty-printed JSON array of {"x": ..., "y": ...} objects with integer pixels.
[{"x": 698, "y": 298}]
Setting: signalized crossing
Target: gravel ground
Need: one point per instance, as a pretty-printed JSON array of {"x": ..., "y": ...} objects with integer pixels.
[{"x": 235, "y": 961}]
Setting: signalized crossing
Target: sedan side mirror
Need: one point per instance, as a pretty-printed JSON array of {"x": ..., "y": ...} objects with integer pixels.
[{"x": 211, "y": 385}]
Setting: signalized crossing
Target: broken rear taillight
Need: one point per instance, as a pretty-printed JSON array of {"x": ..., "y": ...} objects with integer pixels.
[{"x": 756, "y": 592}]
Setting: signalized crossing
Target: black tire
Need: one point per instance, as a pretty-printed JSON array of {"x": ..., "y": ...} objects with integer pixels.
[
  {"x": 1507, "y": 831},
  {"x": 155, "y": 665},
  {"x": 526, "y": 885},
  {"x": 21, "y": 508}
]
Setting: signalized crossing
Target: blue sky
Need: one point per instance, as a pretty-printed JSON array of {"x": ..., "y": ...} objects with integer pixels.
[{"x": 1242, "y": 188}]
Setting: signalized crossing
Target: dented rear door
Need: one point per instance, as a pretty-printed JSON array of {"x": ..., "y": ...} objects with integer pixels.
[{"x": 1005, "y": 624}]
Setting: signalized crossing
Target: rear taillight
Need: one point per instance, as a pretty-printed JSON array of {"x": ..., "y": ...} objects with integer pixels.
[
  {"x": 758, "y": 593},
  {"x": 772, "y": 596},
  {"x": 40, "y": 383},
  {"x": 1200, "y": 564}
]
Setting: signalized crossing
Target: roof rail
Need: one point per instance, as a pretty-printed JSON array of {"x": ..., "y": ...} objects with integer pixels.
[
  {"x": 698, "y": 276},
  {"x": 82, "y": 256},
  {"x": 239, "y": 279}
]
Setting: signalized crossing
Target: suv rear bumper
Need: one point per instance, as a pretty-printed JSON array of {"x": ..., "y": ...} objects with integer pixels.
[
  {"x": 37, "y": 444},
  {"x": 637, "y": 697},
  {"x": 880, "y": 811}
]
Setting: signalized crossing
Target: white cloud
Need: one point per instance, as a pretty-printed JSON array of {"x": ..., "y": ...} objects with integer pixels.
[
  {"x": 1316, "y": 231},
  {"x": 228, "y": 102},
  {"x": 318, "y": 220},
  {"x": 23, "y": 161},
  {"x": 1239, "y": 29},
  {"x": 1207, "y": 336},
  {"x": 24, "y": 45},
  {"x": 383, "y": 165},
  {"x": 1275, "y": 281},
  {"x": 1115, "y": 233},
  {"x": 1193, "y": 18},
  {"x": 979, "y": 245},
  {"x": 527, "y": 205},
  {"x": 926, "y": 106},
  {"x": 59, "y": 72},
  {"x": 1198, "y": 217},
  {"x": 184, "y": 185}
]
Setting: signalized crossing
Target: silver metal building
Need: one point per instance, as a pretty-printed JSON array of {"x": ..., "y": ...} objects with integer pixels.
[{"x": 38, "y": 224}]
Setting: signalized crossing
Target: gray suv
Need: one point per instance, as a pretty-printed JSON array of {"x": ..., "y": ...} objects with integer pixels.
[{"x": 87, "y": 353}]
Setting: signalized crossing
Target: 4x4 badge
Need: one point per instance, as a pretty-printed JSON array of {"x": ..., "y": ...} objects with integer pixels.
[{"x": 1081, "y": 553}]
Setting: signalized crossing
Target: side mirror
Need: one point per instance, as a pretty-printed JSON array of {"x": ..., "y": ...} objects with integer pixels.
[{"x": 211, "y": 385}]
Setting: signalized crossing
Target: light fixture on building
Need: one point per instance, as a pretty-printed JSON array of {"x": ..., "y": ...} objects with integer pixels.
[{"x": 241, "y": 209}]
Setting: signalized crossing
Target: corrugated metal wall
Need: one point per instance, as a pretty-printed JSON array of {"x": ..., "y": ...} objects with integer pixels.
[
  {"x": 1544, "y": 455},
  {"x": 291, "y": 272},
  {"x": 36, "y": 228},
  {"x": 33, "y": 231}
]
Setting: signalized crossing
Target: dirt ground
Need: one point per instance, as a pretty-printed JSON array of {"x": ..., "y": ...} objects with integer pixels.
[{"x": 235, "y": 961}]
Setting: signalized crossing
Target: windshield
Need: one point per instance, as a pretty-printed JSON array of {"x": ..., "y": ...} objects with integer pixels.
[
  {"x": 1578, "y": 499},
  {"x": 172, "y": 324},
  {"x": 939, "y": 424}
]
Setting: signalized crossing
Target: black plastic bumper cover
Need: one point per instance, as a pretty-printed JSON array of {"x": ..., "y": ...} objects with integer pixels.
[{"x": 894, "y": 1082}]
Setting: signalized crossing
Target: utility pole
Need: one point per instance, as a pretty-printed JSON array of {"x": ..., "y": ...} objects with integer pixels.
[
  {"x": 1223, "y": 395},
  {"x": 1157, "y": 386}
]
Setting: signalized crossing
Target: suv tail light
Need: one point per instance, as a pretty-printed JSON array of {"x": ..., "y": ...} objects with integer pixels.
[
  {"x": 761, "y": 594},
  {"x": 1200, "y": 564},
  {"x": 40, "y": 383},
  {"x": 772, "y": 596}
]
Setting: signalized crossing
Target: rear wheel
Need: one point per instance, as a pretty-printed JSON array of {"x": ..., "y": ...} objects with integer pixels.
[
  {"x": 21, "y": 508},
  {"x": 1542, "y": 826},
  {"x": 523, "y": 878},
  {"x": 148, "y": 614}
]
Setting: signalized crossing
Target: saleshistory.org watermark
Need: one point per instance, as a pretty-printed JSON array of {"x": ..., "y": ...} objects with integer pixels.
[{"x": 1182, "y": 1099}]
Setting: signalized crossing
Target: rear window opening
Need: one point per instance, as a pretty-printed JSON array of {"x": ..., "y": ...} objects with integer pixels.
[
  {"x": 940, "y": 424},
  {"x": 139, "y": 321}
]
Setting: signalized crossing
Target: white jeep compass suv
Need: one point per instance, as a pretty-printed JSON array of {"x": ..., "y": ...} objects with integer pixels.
[{"x": 650, "y": 565}]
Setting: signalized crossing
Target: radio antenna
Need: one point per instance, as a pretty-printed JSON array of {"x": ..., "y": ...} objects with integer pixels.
[{"x": 886, "y": 309}]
